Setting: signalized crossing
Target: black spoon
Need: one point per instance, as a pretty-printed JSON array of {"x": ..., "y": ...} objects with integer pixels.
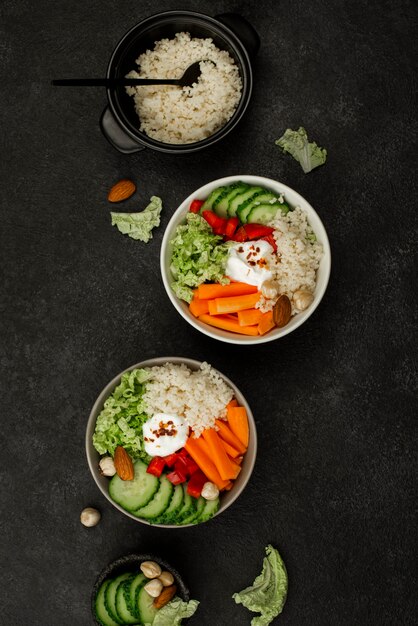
[{"x": 189, "y": 77}]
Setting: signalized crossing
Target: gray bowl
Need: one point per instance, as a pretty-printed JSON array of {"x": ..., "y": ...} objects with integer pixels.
[
  {"x": 131, "y": 563},
  {"x": 93, "y": 456}
]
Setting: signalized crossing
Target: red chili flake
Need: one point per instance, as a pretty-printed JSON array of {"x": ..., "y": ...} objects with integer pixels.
[{"x": 252, "y": 263}]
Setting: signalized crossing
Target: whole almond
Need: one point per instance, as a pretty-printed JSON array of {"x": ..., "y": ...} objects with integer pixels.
[
  {"x": 165, "y": 596},
  {"x": 282, "y": 311},
  {"x": 121, "y": 191},
  {"x": 123, "y": 464}
]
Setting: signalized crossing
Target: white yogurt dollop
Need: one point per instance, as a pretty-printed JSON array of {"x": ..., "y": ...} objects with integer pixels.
[
  {"x": 164, "y": 434},
  {"x": 248, "y": 262}
]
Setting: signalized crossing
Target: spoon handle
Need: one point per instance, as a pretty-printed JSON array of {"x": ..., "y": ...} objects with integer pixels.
[{"x": 112, "y": 82}]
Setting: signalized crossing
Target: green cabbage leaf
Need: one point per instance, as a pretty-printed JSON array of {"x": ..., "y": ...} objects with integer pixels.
[
  {"x": 172, "y": 613},
  {"x": 309, "y": 155},
  {"x": 198, "y": 256},
  {"x": 267, "y": 595},
  {"x": 139, "y": 225}
]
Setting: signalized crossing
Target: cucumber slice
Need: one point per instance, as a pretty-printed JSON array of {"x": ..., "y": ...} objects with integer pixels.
[
  {"x": 240, "y": 198},
  {"x": 198, "y": 509},
  {"x": 110, "y": 596},
  {"x": 145, "y": 607},
  {"x": 136, "y": 493},
  {"x": 174, "y": 506},
  {"x": 102, "y": 614},
  {"x": 264, "y": 213},
  {"x": 208, "y": 204},
  {"x": 131, "y": 590},
  {"x": 220, "y": 205},
  {"x": 122, "y": 607},
  {"x": 159, "y": 503},
  {"x": 209, "y": 510},
  {"x": 263, "y": 197},
  {"x": 188, "y": 507}
]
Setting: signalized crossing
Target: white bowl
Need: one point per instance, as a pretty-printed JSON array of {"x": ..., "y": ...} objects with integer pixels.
[
  {"x": 93, "y": 457},
  {"x": 294, "y": 199}
]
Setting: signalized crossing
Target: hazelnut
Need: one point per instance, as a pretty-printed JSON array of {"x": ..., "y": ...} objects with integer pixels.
[
  {"x": 154, "y": 588},
  {"x": 302, "y": 299},
  {"x": 90, "y": 517},
  {"x": 210, "y": 491},
  {"x": 270, "y": 289},
  {"x": 166, "y": 578},
  {"x": 107, "y": 466},
  {"x": 150, "y": 569}
]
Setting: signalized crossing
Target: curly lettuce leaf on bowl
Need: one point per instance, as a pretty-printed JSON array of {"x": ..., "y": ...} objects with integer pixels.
[
  {"x": 139, "y": 225},
  {"x": 123, "y": 415},
  {"x": 267, "y": 595},
  {"x": 296, "y": 143},
  {"x": 198, "y": 256},
  {"x": 174, "y": 612}
]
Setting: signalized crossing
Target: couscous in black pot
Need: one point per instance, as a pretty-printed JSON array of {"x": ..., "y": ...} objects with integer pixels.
[{"x": 119, "y": 121}]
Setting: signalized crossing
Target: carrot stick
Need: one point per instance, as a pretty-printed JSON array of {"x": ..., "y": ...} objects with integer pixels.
[
  {"x": 198, "y": 307},
  {"x": 249, "y": 317},
  {"x": 229, "y": 486},
  {"x": 227, "y": 435},
  {"x": 225, "y": 466},
  {"x": 230, "y": 450},
  {"x": 208, "y": 292},
  {"x": 238, "y": 423},
  {"x": 233, "y": 402},
  {"x": 204, "y": 446},
  {"x": 228, "y": 324},
  {"x": 205, "y": 464},
  {"x": 266, "y": 323},
  {"x": 236, "y": 303},
  {"x": 211, "y": 307}
]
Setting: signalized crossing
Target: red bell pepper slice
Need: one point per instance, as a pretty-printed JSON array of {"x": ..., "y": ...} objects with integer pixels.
[
  {"x": 220, "y": 227},
  {"x": 257, "y": 231},
  {"x": 176, "y": 478},
  {"x": 192, "y": 467},
  {"x": 196, "y": 205},
  {"x": 195, "y": 484},
  {"x": 240, "y": 235},
  {"x": 181, "y": 466},
  {"x": 231, "y": 226},
  {"x": 171, "y": 459},
  {"x": 211, "y": 218},
  {"x": 271, "y": 240},
  {"x": 156, "y": 466}
]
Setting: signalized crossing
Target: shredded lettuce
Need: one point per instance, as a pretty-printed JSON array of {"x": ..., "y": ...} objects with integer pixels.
[
  {"x": 172, "y": 613},
  {"x": 123, "y": 415},
  {"x": 309, "y": 155},
  {"x": 268, "y": 592},
  {"x": 139, "y": 225},
  {"x": 198, "y": 256}
]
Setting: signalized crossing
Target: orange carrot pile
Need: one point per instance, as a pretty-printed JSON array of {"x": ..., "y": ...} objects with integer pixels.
[
  {"x": 219, "y": 451},
  {"x": 231, "y": 307}
]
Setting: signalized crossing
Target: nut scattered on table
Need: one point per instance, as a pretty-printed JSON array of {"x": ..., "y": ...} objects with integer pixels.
[
  {"x": 90, "y": 517},
  {"x": 107, "y": 466},
  {"x": 302, "y": 299},
  {"x": 123, "y": 190},
  {"x": 165, "y": 596},
  {"x": 282, "y": 311},
  {"x": 154, "y": 588},
  {"x": 150, "y": 569},
  {"x": 166, "y": 578}
]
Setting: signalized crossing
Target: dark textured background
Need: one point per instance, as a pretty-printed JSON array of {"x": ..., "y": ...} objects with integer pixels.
[{"x": 334, "y": 401}]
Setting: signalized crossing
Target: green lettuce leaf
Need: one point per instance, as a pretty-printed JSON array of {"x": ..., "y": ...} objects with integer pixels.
[
  {"x": 139, "y": 225},
  {"x": 123, "y": 415},
  {"x": 309, "y": 155},
  {"x": 267, "y": 594},
  {"x": 198, "y": 256},
  {"x": 172, "y": 613}
]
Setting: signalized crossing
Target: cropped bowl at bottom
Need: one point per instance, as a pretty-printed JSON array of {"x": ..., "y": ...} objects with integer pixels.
[{"x": 93, "y": 457}]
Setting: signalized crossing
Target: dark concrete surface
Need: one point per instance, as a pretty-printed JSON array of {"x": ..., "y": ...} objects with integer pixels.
[{"x": 333, "y": 486}]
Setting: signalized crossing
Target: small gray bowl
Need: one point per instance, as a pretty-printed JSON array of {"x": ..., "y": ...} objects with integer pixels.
[
  {"x": 93, "y": 456},
  {"x": 131, "y": 563}
]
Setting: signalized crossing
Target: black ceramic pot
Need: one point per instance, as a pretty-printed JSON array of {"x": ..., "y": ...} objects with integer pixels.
[{"x": 230, "y": 32}]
